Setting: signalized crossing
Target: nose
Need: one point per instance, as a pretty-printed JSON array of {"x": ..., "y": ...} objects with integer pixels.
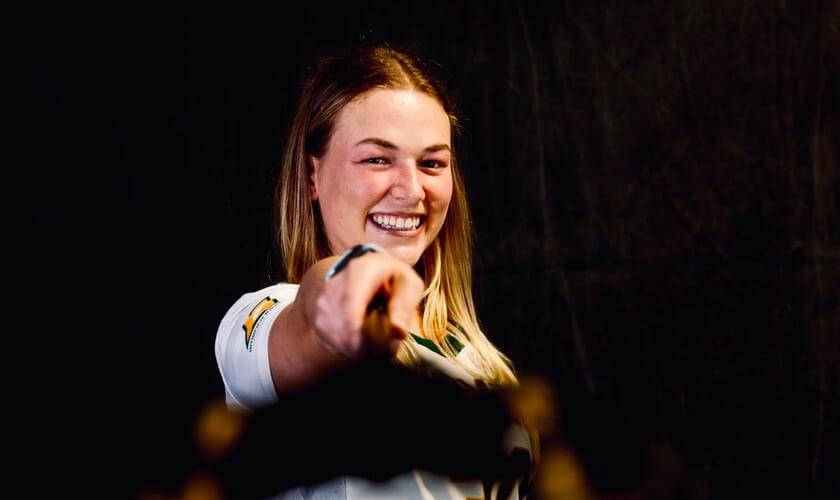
[{"x": 408, "y": 184}]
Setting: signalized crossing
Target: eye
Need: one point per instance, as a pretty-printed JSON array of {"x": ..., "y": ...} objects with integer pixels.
[
  {"x": 378, "y": 160},
  {"x": 433, "y": 164}
]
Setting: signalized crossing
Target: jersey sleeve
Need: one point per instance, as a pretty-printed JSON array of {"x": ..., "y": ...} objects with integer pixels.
[{"x": 242, "y": 346}]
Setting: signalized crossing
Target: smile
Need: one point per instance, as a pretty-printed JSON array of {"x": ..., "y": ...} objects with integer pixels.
[{"x": 397, "y": 223}]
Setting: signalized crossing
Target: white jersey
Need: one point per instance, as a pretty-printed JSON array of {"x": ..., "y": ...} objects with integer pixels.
[{"x": 242, "y": 357}]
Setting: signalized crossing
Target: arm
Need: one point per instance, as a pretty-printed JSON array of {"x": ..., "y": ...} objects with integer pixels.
[
  {"x": 322, "y": 329},
  {"x": 295, "y": 355}
]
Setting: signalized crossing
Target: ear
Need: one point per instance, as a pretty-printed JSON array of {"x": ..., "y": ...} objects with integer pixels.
[{"x": 315, "y": 172}]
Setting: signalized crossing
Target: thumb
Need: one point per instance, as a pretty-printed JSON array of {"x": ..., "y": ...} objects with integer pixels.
[{"x": 404, "y": 302}]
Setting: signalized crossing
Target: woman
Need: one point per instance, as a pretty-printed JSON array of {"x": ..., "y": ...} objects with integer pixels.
[{"x": 371, "y": 204}]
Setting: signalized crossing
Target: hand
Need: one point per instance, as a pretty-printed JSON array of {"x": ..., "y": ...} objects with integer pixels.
[{"x": 338, "y": 312}]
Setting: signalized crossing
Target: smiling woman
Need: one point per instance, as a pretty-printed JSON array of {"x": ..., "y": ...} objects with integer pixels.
[
  {"x": 371, "y": 208},
  {"x": 392, "y": 188}
]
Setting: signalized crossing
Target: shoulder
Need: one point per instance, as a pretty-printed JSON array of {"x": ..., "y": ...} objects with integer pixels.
[
  {"x": 249, "y": 311},
  {"x": 278, "y": 291},
  {"x": 241, "y": 345}
]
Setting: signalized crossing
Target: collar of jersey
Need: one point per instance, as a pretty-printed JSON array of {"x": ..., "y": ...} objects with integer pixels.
[{"x": 453, "y": 342}]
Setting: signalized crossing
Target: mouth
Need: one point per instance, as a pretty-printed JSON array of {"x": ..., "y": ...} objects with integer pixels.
[{"x": 397, "y": 224}]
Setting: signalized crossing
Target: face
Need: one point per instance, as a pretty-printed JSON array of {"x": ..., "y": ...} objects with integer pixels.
[{"x": 386, "y": 176}]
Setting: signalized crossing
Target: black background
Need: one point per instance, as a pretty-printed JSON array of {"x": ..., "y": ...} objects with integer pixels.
[{"x": 654, "y": 189}]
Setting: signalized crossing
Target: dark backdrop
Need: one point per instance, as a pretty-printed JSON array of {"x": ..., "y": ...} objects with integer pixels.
[{"x": 654, "y": 188}]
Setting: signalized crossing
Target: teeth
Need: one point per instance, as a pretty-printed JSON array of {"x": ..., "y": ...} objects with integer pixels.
[{"x": 394, "y": 222}]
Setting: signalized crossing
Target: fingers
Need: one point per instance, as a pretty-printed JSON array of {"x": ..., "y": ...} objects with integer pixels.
[
  {"x": 343, "y": 308},
  {"x": 377, "y": 331},
  {"x": 405, "y": 297}
]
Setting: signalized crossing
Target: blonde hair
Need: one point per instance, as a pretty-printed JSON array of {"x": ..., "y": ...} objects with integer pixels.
[{"x": 446, "y": 265}]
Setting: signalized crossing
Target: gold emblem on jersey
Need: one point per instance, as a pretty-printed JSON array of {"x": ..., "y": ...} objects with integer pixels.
[{"x": 253, "y": 318}]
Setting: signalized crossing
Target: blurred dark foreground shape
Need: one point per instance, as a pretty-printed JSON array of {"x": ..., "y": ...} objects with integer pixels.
[{"x": 374, "y": 420}]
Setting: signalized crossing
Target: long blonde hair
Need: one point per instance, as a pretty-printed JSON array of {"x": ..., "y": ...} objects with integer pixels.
[{"x": 446, "y": 265}]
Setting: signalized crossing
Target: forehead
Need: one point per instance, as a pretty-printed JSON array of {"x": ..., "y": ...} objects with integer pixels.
[{"x": 407, "y": 118}]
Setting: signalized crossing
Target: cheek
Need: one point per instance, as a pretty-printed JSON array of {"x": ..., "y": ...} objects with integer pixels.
[
  {"x": 331, "y": 198},
  {"x": 441, "y": 193},
  {"x": 334, "y": 184},
  {"x": 365, "y": 189},
  {"x": 350, "y": 192}
]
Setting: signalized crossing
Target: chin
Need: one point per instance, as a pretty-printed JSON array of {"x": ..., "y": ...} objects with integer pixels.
[{"x": 408, "y": 255}]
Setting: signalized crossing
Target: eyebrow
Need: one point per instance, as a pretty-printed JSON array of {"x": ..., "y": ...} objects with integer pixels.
[{"x": 389, "y": 145}]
